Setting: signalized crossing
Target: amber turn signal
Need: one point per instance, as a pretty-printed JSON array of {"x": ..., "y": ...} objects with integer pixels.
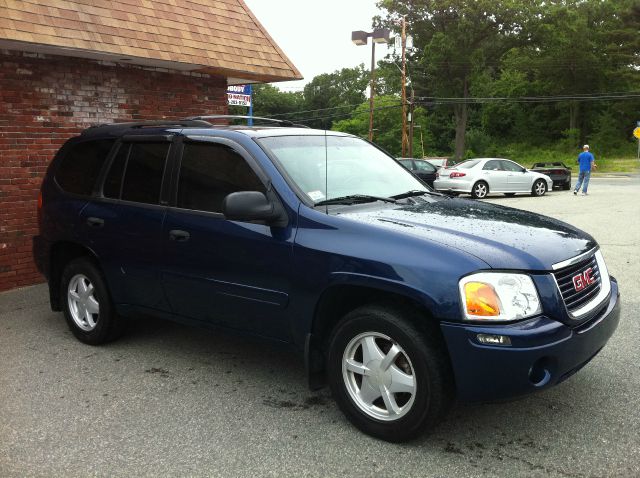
[{"x": 481, "y": 299}]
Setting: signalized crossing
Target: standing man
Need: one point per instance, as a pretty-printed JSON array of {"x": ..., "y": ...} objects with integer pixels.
[{"x": 585, "y": 160}]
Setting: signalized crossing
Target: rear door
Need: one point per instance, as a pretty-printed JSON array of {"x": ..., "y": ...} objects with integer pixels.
[
  {"x": 125, "y": 222},
  {"x": 495, "y": 175},
  {"x": 230, "y": 273}
]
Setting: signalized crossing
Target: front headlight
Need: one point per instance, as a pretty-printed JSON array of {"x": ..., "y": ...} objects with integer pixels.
[{"x": 499, "y": 296}]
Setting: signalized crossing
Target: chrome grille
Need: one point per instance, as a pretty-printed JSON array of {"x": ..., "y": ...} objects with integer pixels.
[{"x": 564, "y": 277}]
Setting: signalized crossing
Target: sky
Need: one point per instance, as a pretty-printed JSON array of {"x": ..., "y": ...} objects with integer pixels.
[{"x": 316, "y": 35}]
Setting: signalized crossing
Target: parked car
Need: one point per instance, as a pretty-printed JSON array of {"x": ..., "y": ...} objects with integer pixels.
[
  {"x": 426, "y": 171},
  {"x": 438, "y": 162},
  {"x": 400, "y": 298},
  {"x": 558, "y": 172},
  {"x": 482, "y": 176}
]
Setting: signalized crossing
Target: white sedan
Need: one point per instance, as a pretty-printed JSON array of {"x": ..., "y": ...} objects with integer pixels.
[{"x": 482, "y": 176}]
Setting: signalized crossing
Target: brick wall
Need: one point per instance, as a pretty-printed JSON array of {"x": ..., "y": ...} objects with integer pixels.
[{"x": 44, "y": 100}]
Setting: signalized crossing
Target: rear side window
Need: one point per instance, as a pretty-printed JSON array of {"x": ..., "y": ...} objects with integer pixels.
[
  {"x": 493, "y": 165},
  {"x": 81, "y": 166},
  {"x": 136, "y": 172},
  {"x": 209, "y": 172}
]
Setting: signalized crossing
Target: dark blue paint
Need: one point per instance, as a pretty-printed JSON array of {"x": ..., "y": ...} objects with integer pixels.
[{"x": 268, "y": 281}]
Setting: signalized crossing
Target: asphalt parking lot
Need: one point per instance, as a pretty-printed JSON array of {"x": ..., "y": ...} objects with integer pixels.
[{"x": 168, "y": 400}]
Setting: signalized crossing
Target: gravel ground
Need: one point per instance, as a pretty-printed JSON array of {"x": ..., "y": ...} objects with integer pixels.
[{"x": 172, "y": 400}]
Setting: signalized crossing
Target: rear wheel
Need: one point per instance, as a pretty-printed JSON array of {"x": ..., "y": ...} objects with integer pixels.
[
  {"x": 566, "y": 186},
  {"x": 389, "y": 379},
  {"x": 539, "y": 188},
  {"x": 86, "y": 304},
  {"x": 480, "y": 190}
]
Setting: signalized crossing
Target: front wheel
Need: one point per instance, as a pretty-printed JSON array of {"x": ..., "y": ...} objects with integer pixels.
[
  {"x": 390, "y": 379},
  {"x": 539, "y": 188},
  {"x": 480, "y": 190}
]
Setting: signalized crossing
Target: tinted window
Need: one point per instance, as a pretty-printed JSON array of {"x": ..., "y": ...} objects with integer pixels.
[
  {"x": 493, "y": 165},
  {"x": 407, "y": 163},
  {"x": 113, "y": 181},
  {"x": 143, "y": 172},
  {"x": 211, "y": 171},
  {"x": 511, "y": 166},
  {"x": 426, "y": 167},
  {"x": 81, "y": 166}
]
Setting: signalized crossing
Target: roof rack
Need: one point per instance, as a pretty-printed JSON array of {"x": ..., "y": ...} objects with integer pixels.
[
  {"x": 254, "y": 118},
  {"x": 142, "y": 124}
]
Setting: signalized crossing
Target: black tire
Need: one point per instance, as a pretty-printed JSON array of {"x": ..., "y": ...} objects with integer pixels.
[
  {"x": 423, "y": 353},
  {"x": 509, "y": 195},
  {"x": 108, "y": 325},
  {"x": 539, "y": 188},
  {"x": 566, "y": 186},
  {"x": 480, "y": 190}
]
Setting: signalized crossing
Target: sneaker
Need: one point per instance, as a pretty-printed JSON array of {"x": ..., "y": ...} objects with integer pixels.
[{"x": 575, "y": 192}]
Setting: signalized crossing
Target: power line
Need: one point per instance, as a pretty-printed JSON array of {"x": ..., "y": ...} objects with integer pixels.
[
  {"x": 347, "y": 115},
  {"x": 530, "y": 99}
]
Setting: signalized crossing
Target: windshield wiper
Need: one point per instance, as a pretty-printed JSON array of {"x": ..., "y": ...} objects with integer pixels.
[
  {"x": 415, "y": 192},
  {"x": 353, "y": 199}
]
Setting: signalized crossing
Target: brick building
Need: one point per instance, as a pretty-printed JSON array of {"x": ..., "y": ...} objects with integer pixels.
[{"x": 68, "y": 66}]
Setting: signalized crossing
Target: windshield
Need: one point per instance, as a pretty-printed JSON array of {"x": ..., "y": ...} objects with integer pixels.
[{"x": 343, "y": 166}]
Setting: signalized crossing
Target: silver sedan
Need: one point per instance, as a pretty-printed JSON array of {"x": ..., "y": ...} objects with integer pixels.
[{"x": 482, "y": 176}]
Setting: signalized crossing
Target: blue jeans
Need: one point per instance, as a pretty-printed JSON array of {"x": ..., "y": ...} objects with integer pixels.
[{"x": 583, "y": 180}]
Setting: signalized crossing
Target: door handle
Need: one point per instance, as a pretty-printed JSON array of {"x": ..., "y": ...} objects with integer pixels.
[
  {"x": 95, "y": 222},
  {"x": 178, "y": 235}
]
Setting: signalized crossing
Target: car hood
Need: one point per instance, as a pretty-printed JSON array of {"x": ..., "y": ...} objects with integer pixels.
[{"x": 502, "y": 237}]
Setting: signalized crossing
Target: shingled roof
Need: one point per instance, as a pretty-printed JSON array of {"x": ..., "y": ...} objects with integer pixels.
[{"x": 210, "y": 36}]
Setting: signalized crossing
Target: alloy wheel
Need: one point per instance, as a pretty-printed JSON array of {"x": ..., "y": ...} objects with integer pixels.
[
  {"x": 480, "y": 190},
  {"x": 379, "y": 376},
  {"x": 83, "y": 304}
]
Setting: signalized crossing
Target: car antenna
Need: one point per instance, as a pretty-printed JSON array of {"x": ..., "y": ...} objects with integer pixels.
[{"x": 326, "y": 172}]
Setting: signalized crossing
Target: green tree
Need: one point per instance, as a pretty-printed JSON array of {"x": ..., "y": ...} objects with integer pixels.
[
  {"x": 334, "y": 95},
  {"x": 387, "y": 125},
  {"x": 458, "y": 41}
]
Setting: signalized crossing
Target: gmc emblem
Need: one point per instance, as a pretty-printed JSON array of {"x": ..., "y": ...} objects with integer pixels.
[{"x": 583, "y": 280}]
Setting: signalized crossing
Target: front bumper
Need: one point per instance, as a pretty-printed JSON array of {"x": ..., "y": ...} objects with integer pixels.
[{"x": 543, "y": 353}]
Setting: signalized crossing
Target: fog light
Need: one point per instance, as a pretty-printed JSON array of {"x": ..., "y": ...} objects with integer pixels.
[{"x": 488, "y": 339}]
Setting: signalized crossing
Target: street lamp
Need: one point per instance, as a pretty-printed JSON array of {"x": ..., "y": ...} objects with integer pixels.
[{"x": 380, "y": 35}]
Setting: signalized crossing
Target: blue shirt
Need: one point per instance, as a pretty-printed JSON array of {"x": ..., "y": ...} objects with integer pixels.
[{"x": 584, "y": 160}]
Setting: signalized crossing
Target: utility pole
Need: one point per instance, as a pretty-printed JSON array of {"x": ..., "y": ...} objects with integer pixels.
[
  {"x": 404, "y": 88},
  {"x": 411, "y": 122},
  {"x": 372, "y": 88}
]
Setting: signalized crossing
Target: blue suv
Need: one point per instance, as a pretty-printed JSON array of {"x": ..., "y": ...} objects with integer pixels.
[{"x": 399, "y": 298}]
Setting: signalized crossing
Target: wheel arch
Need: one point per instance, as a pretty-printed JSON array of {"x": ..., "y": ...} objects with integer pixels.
[
  {"x": 475, "y": 183},
  {"x": 61, "y": 254},
  {"x": 341, "y": 298}
]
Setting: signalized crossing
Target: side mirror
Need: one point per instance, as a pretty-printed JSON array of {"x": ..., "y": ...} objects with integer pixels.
[{"x": 252, "y": 206}]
